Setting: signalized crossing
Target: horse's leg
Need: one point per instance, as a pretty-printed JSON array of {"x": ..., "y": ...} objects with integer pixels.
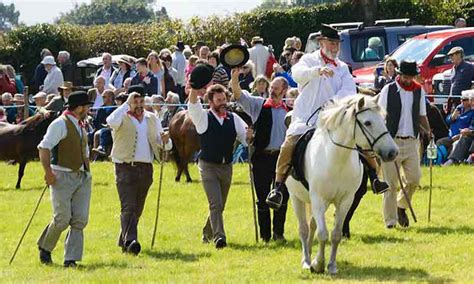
[
  {"x": 186, "y": 172},
  {"x": 303, "y": 230},
  {"x": 318, "y": 208},
  {"x": 21, "y": 172},
  {"x": 336, "y": 236},
  {"x": 312, "y": 230}
]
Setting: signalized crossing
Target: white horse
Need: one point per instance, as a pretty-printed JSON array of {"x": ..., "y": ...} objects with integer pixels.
[{"x": 334, "y": 172}]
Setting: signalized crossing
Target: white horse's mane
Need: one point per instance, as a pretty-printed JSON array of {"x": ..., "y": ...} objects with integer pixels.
[{"x": 337, "y": 112}]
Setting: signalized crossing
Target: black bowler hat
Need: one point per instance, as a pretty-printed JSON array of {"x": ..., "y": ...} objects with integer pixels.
[
  {"x": 78, "y": 98},
  {"x": 201, "y": 76},
  {"x": 329, "y": 33},
  {"x": 234, "y": 56},
  {"x": 138, "y": 89},
  {"x": 408, "y": 67}
]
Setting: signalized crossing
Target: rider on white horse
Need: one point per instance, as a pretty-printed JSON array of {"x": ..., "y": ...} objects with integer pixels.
[{"x": 321, "y": 76}]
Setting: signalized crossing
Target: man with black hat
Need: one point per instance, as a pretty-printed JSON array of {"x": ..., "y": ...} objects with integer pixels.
[
  {"x": 64, "y": 155},
  {"x": 218, "y": 129},
  {"x": 404, "y": 101},
  {"x": 137, "y": 137}
]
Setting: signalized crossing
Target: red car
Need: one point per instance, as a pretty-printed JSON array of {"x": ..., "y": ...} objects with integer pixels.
[{"x": 429, "y": 51}]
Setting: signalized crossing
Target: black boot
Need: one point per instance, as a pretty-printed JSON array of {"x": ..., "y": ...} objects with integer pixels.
[
  {"x": 45, "y": 256},
  {"x": 403, "y": 217},
  {"x": 378, "y": 186},
  {"x": 264, "y": 223},
  {"x": 275, "y": 197}
]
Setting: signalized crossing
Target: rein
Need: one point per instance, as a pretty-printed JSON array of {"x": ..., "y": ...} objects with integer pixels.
[{"x": 366, "y": 135}]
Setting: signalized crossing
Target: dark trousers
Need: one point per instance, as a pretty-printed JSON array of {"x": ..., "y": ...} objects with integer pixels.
[
  {"x": 132, "y": 183},
  {"x": 105, "y": 138},
  {"x": 464, "y": 147},
  {"x": 181, "y": 94},
  {"x": 264, "y": 176}
]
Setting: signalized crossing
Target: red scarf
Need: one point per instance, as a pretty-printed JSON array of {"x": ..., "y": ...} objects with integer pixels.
[
  {"x": 328, "y": 60},
  {"x": 81, "y": 122},
  {"x": 269, "y": 103},
  {"x": 410, "y": 88},
  {"x": 138, "y": 117}
]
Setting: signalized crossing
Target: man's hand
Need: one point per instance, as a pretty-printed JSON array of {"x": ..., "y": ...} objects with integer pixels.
[
  {"x": 165, "y": 137},
  {"x": 234, "y": 74},
  {"x": 277, "y": 68},
  {"x": 455, "y": 114},
  {"x": 147, "y": 80},
  {"x": 465, "y": 132},
  {"x": 49, "y": 177},
  {"x": 326, "y": 71}
]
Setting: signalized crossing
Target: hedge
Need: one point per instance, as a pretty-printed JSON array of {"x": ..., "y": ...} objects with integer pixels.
[{"x": 21, "y": 47}]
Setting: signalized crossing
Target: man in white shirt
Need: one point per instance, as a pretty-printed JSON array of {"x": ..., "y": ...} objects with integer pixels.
[
  {"x": 137, "y": 137},
  {"x": 259, "y": 55},
  {"x": 107, "y": 68},
  {"x": 320, "y": 76},
  {"x": 179, "y": 63},
  {"x": 218, "y": 129},
  {"x": 54, "y": 79},
  {"x": 64, "y": 155},
  {"x": 404, "y": 101}
]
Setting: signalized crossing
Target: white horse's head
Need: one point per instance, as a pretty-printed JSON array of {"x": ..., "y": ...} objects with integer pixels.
[{"x": 366, "y": 121}]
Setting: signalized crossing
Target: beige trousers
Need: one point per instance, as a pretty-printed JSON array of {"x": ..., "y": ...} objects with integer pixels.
[
  {"x": 409, "y": 161},
  {"x": 286, "y": 155}
]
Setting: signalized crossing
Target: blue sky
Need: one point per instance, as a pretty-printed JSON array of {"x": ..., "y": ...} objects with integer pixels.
[{"x": 45, "y": 11}]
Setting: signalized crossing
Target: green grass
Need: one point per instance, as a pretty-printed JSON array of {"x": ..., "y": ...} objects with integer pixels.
[{"x": 440, "y": 251}]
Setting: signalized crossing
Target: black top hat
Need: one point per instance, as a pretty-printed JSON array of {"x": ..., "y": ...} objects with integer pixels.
[
  {"x": 137, "y": 88},
  {"x": 328, "y": 33},
  {"x": 408, "y": 67},
  {"x": 201, "y": 76},
  {"x": 78, "y": 98},
  {"x": 180, "y": 46},
  {"x": 234, "y": 56}
]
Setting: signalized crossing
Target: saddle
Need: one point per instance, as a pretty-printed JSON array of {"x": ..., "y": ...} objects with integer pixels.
[{"x": 297, "y": 160}]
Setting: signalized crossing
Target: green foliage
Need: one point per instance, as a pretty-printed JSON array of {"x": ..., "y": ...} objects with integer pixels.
[
  {"x": 8, "y": 16},
  {"x": 100, "y": 12}
]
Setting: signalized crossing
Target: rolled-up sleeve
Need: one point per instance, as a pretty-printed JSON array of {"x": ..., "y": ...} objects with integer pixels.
[
  {"x": 116, "y": 117},
  {"x": 198, "y": 117},
  {"x": 240, "y": 129},
  {"x": 56, "y": 132},
  {"x": 252, "y": 105}
]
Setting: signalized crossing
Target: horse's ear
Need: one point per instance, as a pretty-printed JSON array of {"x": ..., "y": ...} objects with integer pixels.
[
  {"x": 376, "y": 98},
  {"x": 361, "y": 103}
]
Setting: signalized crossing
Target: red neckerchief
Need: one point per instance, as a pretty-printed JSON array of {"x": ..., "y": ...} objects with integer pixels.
[
  {"x": 138, "y": 117},
  {"x": 412, "y": 87},
  {"x": 269, "y": 103},
  {"x": 328, "y": 60},
  {"x": 81, "y": 123},
  {"x": 224, "y": 115}
]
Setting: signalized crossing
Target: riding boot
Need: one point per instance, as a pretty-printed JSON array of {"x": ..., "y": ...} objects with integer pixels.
[
  {"x": 275, "y": 197},
  {"x": 264, "y": 224},
  {"x": 378, "y": 186}
]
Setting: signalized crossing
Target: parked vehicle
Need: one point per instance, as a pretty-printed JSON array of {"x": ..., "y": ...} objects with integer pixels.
[
  {"x": 367, "y": 46},
  {"x": 429, "y": 51}
]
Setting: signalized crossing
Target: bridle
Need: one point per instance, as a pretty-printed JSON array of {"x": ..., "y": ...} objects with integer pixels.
[{"x": 370, "y": 138}]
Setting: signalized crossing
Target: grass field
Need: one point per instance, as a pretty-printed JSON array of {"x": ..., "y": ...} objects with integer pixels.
[{"x": 439, "y": 251}]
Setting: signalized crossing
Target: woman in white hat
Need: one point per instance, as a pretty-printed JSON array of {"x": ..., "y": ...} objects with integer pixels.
[{"x": 54, "y": 79}]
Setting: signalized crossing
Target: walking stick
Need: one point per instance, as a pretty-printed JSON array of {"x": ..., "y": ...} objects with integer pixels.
[
  {"x": 28, "y": 225},
  {"x": 404, "y": 192},
  {"x": 252, "y": 188},
  {"x": 159, "y": 198},
  {"x": 431, "y": 187}
]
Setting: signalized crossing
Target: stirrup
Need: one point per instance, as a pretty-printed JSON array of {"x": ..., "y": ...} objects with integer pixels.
[
  {"x": 381, "y": 188},
  {"x": 272, "y": 203}
]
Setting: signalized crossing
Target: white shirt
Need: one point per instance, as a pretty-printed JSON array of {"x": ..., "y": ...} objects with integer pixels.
[
  {"x": 56, "y": 132},
  {"x": 143, "y": 152},
  {"x": 53, "y": 81},
  {"x": 99, "y": 101},
  {"x": 106, "y": 73},
  {"x": 200, "y": 120},
  {"x": 405, "y": 126},
  {"x": 179, "y": 63},
  {"x": 316, "y": 90},
  {"x": 259, "y": 55}
]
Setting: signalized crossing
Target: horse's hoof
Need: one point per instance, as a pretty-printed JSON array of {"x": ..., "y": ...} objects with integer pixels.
[
  {"x": 317, "y": 267},
  {"x": 306, "y": 265},
  {"x": 176, "y": 179},
  {"x": 189, "y": 180},
  {"x": 332, "y": 268}
]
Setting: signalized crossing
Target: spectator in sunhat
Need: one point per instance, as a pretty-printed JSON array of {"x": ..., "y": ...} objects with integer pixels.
[{"x": 54, "y": 79}]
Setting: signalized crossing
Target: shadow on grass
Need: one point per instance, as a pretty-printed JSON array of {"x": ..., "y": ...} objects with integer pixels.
[
  {"x": 294, "y": 244},
  {"x": 100, "y": 183},
  {"x": 175, "y": 255},
  {"x": 21, "y": 189},
  {"x": 348, "y": 271},
  {"x": 446, "y": 230},
  {"x": 375, "y": 239},
  {"x": 102, "y": 265}
]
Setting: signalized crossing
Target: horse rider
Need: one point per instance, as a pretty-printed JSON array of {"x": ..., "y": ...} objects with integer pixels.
[
  {"x": 64, "y": 155},
  {"x": 404, "y": 101},
  {"x": 321, "y": 76},
  {"x": 218, "y": 130},
  {"x": 268, "y": 117},
  {"x": 137, "y": 138}
]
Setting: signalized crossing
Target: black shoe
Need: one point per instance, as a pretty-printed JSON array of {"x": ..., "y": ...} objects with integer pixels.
[
  {"x": 45, "y": 256},
  {"x": 266, "y": 240},
  {"x": 221, "y": 243},
  {"x": 391, "y": 226},
  {"x": 134, "y": 247},
  {"x": 275, "y": 197},
  {"x": 379, "y": 187},
  {"x": 70, "y": 263},
  {"x": 403, "y": 217},
  {"x": 279, "y": 238}
]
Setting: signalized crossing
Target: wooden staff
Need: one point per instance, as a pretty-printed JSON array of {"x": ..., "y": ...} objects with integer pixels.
[
  {"x": 404, "y": 192},
  {"x": 252, "y": 188}
]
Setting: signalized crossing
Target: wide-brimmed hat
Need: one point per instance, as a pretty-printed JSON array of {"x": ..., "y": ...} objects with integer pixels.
[
  {"x": 40, "y": 95},
  {"x": 201, "y": 76},
  {"x": 18, "y": 98},
  {"x": 67, "y": 85},
  {"x": 78, "y": 98},
  {"x": 328, "y": 33},
  {"x": 256, "y": 39},
  {"x": 234, "y": 56},
  {"x": 456, "y": 49},
  {"x": 408, "y": 67},
  {"x": 467, "y": 94},
  {"x": 124, "y": 60},
  {"x": 48, "y": 60}
]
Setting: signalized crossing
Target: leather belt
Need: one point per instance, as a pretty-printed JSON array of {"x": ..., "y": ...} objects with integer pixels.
[
  {"x": 404, "y": 137},
  {"x": 136, "y": 164}
]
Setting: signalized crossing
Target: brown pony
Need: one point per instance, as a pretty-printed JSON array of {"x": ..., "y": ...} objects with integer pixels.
[{"x": 18, "y": 142}]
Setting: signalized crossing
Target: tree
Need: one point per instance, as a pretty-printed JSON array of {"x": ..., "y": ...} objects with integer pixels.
[
  {"x": 113, "y": 11},
  {"x": 8, "y": 17}
]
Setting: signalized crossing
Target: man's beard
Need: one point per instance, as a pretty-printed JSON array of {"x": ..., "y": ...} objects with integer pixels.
[
  {"x": 138, "y": 110},
  {"x": 329, "y": 54},
  {"x": 219, "y": 108},
  {"x": 406, "y": 83}
]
